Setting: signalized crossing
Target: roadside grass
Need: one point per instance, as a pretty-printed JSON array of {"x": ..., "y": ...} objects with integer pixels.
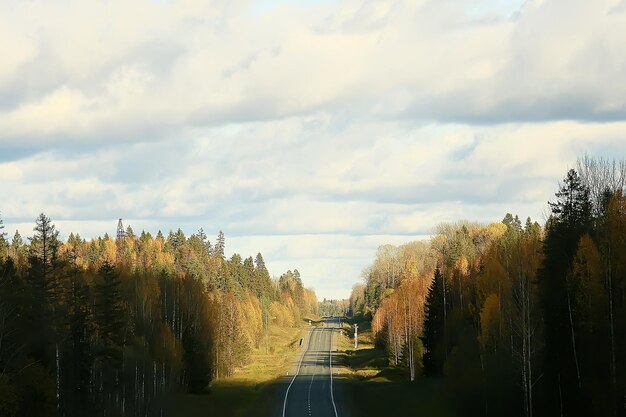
[
  {"x": 372, "y": 387},
  {"x": 229, "y": 399},
  {"x": 252, "y": 390},
  {"x": 424, "y": 397},
  {"x": 366, "y": 382},
  {"x": 271, "y": 360}
]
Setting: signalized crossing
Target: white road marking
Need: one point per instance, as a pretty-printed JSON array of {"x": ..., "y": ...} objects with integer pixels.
[
  {"x": 297, "y": 371},
  {"x": 330, "y": 358}
]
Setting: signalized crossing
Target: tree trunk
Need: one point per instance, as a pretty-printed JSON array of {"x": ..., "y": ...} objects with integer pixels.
[
  {"x": 573, "y": 338},
  {"x": 58, "y": 376},
  {"x": 609, "y": 279},
  {"x": 445, "y": 344}
]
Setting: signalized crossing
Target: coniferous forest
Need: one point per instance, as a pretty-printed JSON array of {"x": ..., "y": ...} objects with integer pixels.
[
  {"x": 517, "y": 318},
  {"x": 117, "y": 327}
]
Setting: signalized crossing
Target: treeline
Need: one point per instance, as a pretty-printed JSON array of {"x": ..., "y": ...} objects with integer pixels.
[
  {"x": 520, "y": 319},
  {"x": 337, "y": 308},
  {"x": 115, "y": 327}
]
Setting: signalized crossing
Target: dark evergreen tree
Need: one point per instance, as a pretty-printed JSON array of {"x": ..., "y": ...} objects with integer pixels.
[
  {"x": 202, "y": 236},
  {"x": 571, "y": 218},
  {"x": 79, "y": 346},
  {"x": 247, "y": 272},
  {"x": 196, "y": 359},
  {"x": 433, "y": 338},
  {"x": 2, "y": 232},
  {"x": 42, "y": 285},
  {"x": 109, "y": 307},
  {"x": 572, "y": 209},
  {"x": 44, "y": 245},
  {"x": 263, "y": 283},
  {"x": 9, "y": 310},
  {"x": 220, "y": 245}
]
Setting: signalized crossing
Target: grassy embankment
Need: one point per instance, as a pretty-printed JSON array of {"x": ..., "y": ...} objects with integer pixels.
[
  {"x": 252, "y": 390},
  {"x": 374, "y": 388}
]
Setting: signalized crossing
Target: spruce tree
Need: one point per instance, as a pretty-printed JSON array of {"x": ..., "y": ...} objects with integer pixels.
[
  {"x": 220, "y": 245},
  {"x": 2, "y": 232},
  {"x": 41, "y": 288},
  {"x": 433, "y": 338},
  {"x": 571, "y": 218},
  {"x": 109, "y": 308}
]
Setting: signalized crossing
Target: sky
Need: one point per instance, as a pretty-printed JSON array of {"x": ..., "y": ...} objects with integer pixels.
[{"x": 311, "y": 131}]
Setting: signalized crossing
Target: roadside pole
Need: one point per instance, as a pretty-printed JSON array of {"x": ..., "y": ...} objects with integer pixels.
[{"x": 267, "y": 338}]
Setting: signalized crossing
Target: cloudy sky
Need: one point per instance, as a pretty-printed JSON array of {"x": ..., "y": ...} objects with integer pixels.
[{"x": 312, "y": 131}]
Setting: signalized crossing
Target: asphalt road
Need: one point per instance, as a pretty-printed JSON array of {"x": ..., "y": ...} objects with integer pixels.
[{"x": 310, "y": 391}]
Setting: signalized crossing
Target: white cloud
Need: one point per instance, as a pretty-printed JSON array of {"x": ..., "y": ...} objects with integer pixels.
[
  {"x": 300, "y": 196},
  {"x": 315, "y": 131},
  {"x": 133, "y": 69}
]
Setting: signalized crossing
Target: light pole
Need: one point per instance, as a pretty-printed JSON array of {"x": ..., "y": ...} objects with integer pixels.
[
  {"x": 356, "y": 336},
  {"x": 267, "y": 326}
]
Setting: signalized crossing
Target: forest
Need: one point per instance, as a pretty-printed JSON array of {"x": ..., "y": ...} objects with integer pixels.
[
  {"x": 517, "y": 318},
  {"x": 117, "y": 327},
  {"x": 330, "y": 308}
]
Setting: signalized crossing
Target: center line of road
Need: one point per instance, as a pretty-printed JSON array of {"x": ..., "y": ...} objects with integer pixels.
[
  {"x": 330, "y": 360},
  {"x": 297, "y": 372},
  {"x": 311, "y": 383}
]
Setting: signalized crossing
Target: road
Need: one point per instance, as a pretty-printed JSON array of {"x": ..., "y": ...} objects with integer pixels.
[{"x": 310, "y": 392}]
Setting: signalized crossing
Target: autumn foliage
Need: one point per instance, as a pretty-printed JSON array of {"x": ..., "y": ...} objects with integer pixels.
[
  {"x": 116, "y": 327},
  {"x": 520, "y": 319}
]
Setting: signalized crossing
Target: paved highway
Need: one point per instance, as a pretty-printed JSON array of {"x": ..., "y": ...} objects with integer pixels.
[{"x": 310, "y": 392}]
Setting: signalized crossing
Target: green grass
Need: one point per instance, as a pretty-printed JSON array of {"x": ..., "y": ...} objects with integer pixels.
[
  {"x": 252, "y": 390},
  {"x": 265, "y": 366}
]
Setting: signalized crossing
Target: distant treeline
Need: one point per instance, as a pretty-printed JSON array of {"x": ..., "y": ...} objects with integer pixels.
[
  {"x": 114, "y": 327},
  {"x": 336, "y": 308},
  {"x": 521, "y": 320}
]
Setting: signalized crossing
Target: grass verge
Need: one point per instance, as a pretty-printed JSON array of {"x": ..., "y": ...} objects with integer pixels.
[
  {"x": 252, "y": 390},
  {"x": 371, "y": 387}
]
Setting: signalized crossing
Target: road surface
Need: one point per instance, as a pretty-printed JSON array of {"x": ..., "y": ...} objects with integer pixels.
[{"x": 310, "y": 392}]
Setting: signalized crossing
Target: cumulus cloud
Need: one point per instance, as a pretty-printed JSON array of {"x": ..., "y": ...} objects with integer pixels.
[
  {"x": 134, "y": 70},
  {"x": 311, "y": 131}
]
